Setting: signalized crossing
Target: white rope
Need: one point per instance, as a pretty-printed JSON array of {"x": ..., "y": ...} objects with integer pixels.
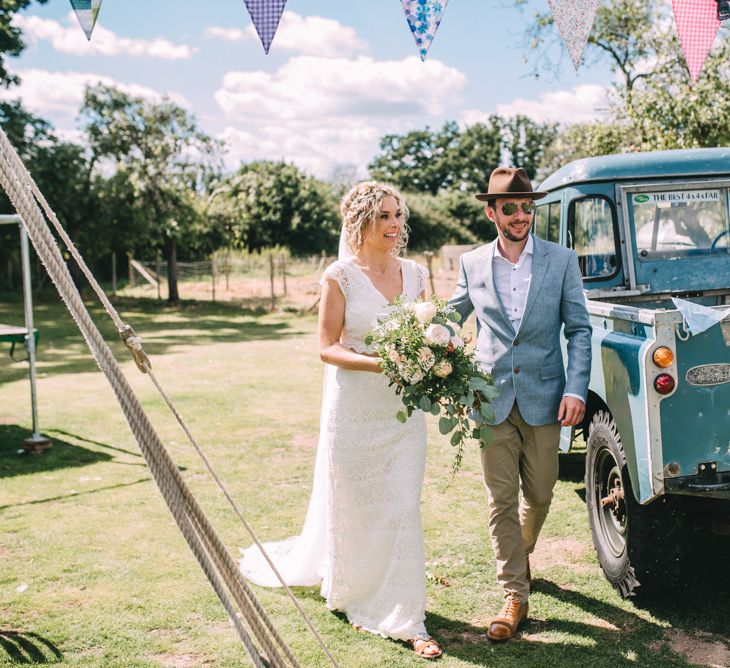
[{"x": 214, "y": 559}]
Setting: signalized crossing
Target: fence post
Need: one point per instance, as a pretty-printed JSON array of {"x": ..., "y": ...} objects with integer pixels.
[
  {"x": 114, "y": 273},
  {"x": 158, "y": 269},
  {"x": 283, "y": 270},
  {"x": 429, "y": 264},
  {"x": 228, "y": 267},
  {"x": 271, "y": 278},
  {"x": 131, "y": 269},
  {"x": 213, "y": 273}
]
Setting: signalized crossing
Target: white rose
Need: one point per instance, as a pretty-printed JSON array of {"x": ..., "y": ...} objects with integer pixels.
[
  {"x": 425, "y": 312},
  {"x": 415, "y": 376},
  {"x": 393, "y": 355},
  {"x": 456, "y": 341},
  {"x": 426, "y": 358},
  {"x": 391, "y": 324},
  {"x": 437, "y": 334},
  {"x": 443, "y": 369}
]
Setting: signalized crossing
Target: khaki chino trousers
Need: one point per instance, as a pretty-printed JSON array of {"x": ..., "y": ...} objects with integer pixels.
[{"x": 523, "y": 458}]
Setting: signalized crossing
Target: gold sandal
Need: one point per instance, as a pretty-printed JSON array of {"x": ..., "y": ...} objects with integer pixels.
[{"x": 421, "y": 644}]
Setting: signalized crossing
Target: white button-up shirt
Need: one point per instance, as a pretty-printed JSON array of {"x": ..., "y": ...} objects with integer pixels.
[{"x": 512, "y": 282}]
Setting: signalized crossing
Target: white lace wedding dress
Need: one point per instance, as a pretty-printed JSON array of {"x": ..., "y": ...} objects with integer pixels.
[{"x": 362, "y": 536}]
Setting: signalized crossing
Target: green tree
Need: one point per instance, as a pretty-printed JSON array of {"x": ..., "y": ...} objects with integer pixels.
[
  {"x": 433, "y": 224},
  {"x": 159, "y": 149},
  {"x": 11, "y": 40},
  {"x": 266, "y": 204},
  {"x": 62, "y": 171},
  {"x": 454, "y": 160}
]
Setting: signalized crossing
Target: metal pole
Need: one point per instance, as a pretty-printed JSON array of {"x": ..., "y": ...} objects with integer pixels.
[{"x": 36, "y": 442}]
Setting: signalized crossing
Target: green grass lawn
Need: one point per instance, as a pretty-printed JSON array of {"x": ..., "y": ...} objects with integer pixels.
[{"x": 94, "y": 572}]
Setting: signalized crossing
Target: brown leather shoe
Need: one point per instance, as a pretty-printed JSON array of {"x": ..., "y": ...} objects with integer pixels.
[
  {"x": 528, "y": 575},
  {"x": 505, "y": 624}
]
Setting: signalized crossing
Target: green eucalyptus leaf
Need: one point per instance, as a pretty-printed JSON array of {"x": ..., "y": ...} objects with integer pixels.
[
  {"x": 425, "y": 404},
  {"x": 485, "y": 434},
  {"x": 478, "y": 383},
  {"x": 455, "y": 437},
  {"x": 435, "y": 409},
  {"x": 444, "y": 426}
]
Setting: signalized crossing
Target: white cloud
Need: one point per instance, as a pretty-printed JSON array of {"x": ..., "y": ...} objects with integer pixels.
[
  {"x": 70, "y": 39},
  {"x": 58, "y": 95},
  {"x": 307, "y": 35},
  {"x": 579, "y": 104},
  {"x": 318, "y": 112}
]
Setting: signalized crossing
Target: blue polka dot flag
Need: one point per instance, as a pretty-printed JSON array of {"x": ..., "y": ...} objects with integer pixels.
[
  {"x": 86, "y": 13},
  {"x": 265, "y": 15},
  {"x": 424, "y": 19}
]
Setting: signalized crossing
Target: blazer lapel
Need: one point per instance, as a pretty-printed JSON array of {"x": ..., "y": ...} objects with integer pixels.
[
  {"x": 489, "y": 283},
  {"x": 540, "y": 261}
]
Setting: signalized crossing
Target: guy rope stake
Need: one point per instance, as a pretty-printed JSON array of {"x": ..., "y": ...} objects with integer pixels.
[{"x": 260, "y": 638}]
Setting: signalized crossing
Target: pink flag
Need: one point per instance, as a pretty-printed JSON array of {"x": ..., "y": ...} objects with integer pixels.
[
  {"x": 574, "y": 19},
  {"x": 697, "y": 25}
]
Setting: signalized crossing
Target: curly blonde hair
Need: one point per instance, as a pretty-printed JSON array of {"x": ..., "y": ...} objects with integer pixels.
[{"x": 360, "y": 207}]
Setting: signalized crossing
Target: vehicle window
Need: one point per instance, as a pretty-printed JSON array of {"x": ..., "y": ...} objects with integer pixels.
[
  {"x": 553, "y": 231},
  {"x": 592, "y": 235},
  {"x": 680, "y": 222},
  {"x": 541, "y": 221}
]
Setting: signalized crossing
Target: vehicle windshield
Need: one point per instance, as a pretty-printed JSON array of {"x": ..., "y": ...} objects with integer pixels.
[{"x": 681, "y": 222}]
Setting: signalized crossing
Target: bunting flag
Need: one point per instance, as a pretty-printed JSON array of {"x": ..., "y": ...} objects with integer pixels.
[
  {"x": 697, "y": 25},
  {"x": 424, "y": 19},
  {"x": 86, "y": 13},
  {"x": 574, "y": 19},
  {"x": 265, "y": 15}
]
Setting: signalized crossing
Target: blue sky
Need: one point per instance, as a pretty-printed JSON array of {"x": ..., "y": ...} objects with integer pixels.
[{"x": 339, "y": 75}]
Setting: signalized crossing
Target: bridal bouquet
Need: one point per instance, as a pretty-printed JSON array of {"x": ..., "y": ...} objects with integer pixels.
[{"x": 424, "y": 355}]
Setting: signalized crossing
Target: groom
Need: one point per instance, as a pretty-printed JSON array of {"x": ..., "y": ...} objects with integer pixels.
[{"x": 522, "y": 290}]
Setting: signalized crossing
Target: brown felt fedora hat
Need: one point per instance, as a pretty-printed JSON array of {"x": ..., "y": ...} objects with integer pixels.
[{"x": 509, "y": 182}]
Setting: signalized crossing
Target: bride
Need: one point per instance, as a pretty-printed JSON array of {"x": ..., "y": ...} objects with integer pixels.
[{"x": 362, "y": 536}]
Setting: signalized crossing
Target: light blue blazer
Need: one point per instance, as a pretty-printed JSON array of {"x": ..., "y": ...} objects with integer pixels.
[{"x": 528, "y": 365}]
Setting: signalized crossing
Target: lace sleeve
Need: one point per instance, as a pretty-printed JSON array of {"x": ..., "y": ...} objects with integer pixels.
[
  {"x": 421, "y": 277},
  {"x": 336, "y": 271}
]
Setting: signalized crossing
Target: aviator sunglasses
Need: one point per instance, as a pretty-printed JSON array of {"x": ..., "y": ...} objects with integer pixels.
[{"x": 510, "y": 208}]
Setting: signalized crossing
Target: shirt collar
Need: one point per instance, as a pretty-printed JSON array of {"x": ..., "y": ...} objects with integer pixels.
[{"x": 527, "y": 250}]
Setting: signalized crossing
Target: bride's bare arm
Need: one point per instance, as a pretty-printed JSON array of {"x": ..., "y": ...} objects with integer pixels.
[{"x": 331, "y": 322}]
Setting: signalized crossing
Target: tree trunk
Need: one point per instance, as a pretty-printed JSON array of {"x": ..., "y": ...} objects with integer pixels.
[{"x": 171, "y": 257}]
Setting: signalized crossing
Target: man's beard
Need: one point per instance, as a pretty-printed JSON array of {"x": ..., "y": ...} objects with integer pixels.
[{"x": 512, "y": 237}]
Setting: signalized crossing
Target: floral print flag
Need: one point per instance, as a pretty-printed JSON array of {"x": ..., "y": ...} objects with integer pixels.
[
  {"x": 574, "y": 19},
  {"x": 424, "y": 18},
  {"x": 265, "y": 15},
  {"x": 86, "y": 13},
  {"x": 697, "y": 25}
]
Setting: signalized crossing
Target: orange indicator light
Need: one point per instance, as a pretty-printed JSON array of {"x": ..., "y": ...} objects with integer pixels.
[{"x": 663, "y": 357}]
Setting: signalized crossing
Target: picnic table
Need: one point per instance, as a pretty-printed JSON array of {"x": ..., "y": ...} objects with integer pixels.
[{"x": 14, "y": 335}]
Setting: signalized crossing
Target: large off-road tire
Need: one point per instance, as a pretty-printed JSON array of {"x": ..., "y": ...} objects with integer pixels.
[{"x": 636, "y": 545}]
